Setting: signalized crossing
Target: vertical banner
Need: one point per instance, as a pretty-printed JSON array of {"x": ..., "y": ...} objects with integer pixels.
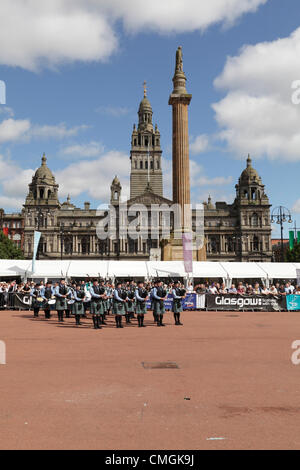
[
  {"x": 37, "y": 237},
  {"x": 292, "y": 239},
  {"x": 187, "y": 243},
  {"x": 5, "y": 231}
]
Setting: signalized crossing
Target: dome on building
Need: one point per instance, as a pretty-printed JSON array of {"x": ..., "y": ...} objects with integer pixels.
[
  {"x": 43, "y": 173},
  {"x": 250, "y": 174},
  {"x": 116, "y": 181},
  {"x": 145, "y": 106}
]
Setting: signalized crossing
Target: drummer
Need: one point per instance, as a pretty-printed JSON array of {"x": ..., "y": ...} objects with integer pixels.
[
  {"x": 37, "y": 299},
  {"x": 61, "y": 294},
  {"x": 48, "y": 296}
]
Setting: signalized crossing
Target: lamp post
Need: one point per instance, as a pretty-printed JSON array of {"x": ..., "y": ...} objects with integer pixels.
[{"x": 282, "y": 215}]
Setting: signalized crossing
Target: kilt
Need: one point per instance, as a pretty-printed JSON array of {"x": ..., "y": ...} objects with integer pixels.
[
  {"x": 36, "y": 303},
  {"x": 130, "y": 306},
  {"x": 158, "y": 307},
  {"x": 97, "y": 308},
  {"x": 61, "y": 304},
  {"x": 119, "y": 308},
  {"x": 77, "y": 308},
  {"x": 141, "y": 308},
  {"x": 177, "y": 306}
]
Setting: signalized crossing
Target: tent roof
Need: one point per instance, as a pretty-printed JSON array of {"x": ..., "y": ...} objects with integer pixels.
[{"x": 244, "y": 270}]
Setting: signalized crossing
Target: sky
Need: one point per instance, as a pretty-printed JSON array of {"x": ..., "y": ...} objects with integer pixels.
[{"x": 74, "y": 73}]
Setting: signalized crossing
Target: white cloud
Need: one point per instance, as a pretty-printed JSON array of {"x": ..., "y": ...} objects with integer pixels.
[
  {"x": 91, "y": 149},
  {"x": 37, "y": 33},
  {"x": 178, "y": 15},
  {"x": 13, "y": 183},
  {"x": 296, "y": 207},
  {"x": 59, "y": 131},
  {"x": 257, "y": 114},
  {"x": 95, "y": 176},
  {"x": 199, "y": 145},
  {"x": 114, "y": 111},
  {"x": 199, "y": 179},
  {"x": 12, "y": 130}
]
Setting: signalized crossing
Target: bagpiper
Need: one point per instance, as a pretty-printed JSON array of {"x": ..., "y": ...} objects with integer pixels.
[
  {"x": 79, "y": 296},
  {"x": 61, "y": 294},
  {"x": 159, "y": 296},
  {"x": 178, "y": 295},
  {"x": 141, "y": 295},
  {"x": 119, "y": 300},
  {"x": 96, "y": 304}
]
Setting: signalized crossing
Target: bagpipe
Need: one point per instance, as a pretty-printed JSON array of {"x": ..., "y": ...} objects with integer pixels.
[
  {"x": 181, "y": 292},
  {"x": 143, "y": 293},
  {"x": 124, "y": 294}
]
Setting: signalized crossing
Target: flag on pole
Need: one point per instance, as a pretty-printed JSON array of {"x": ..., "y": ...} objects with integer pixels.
[
  {"x": 187, "y": 243},
  {"x": 37, "y": 237}
]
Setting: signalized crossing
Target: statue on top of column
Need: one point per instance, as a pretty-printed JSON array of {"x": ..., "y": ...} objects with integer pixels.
[{"x": 179, "y": 64}]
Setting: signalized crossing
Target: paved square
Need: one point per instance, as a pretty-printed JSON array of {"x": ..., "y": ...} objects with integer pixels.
[{"x": 77, "y": 388}]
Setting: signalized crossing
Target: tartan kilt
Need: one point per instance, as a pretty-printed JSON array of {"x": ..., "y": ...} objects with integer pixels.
[
  {"x": 141, "y": 308},
  {"x": 119, "y": 308},
  {"x": 177, "y": 306},
  {"x": 37, "y": 304},
  {"x": 77, "y": 308},
  {"x": 97, "y": 308},
  {"x": 61, "y": 304},
  {"x": 130, "y": 306},
  {"x": 158, "y": 307}
]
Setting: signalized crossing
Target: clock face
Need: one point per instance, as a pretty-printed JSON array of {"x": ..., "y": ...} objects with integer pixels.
[{"x": 17, "y": 237}]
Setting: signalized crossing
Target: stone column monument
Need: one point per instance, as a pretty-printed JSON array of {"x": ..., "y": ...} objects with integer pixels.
[{"x": 180, "y": 100}]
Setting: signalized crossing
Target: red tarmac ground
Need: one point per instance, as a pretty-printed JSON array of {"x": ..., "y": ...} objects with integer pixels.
[{"x": 77, "y": 388}]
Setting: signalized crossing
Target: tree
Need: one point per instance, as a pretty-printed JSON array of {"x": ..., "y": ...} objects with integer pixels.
[
  {"x": 8, "y": 250},
  {"x": 294, "y": 254}
]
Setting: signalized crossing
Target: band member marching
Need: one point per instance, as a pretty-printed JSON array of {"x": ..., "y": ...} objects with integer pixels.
[
  {"x": 96, "y": 304},
  {"x": 79, "y": 296},
  {"x": 61, "y": 294},
  {"x": 130, "y": 304},
  {"x": 141, "y": 295},
  {"x": 37, "y": 299},
  {"x": 48, "y": 295},
  {"x": 178, "y": 295},
  {"x": 119, "y": 300},
  {"x": 159, "y": 295}
]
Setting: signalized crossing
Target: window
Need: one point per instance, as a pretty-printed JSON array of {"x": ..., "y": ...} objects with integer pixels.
[
  {"x": 254, "y": 220},
  {"x": 141, "y": 164}
]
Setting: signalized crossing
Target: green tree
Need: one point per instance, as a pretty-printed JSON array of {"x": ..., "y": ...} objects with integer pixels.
[
  {"x": 294, "y": 254},
  {"x": 8, "y": 250}
]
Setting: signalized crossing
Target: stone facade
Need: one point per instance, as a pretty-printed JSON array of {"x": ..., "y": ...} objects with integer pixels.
[{"x": 240, "y": 231}]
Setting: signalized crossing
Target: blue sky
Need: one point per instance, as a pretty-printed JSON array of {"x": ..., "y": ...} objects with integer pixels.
[{"x": 73, "y": 93}]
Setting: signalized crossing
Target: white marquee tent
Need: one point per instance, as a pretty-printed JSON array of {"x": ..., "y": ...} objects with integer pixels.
[{"x": 54, "y": 269}]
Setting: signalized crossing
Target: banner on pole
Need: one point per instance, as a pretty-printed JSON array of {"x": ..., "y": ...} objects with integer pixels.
[
  {"x": 37, "y": 237},
  {"x": 187, "y": 244}
]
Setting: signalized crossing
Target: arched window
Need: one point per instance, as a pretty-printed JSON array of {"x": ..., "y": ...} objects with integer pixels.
[
  {"x": 42, "y": 192},
  {"x": 254, "y": 220},
  {"x": 141, "y": 164}
]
